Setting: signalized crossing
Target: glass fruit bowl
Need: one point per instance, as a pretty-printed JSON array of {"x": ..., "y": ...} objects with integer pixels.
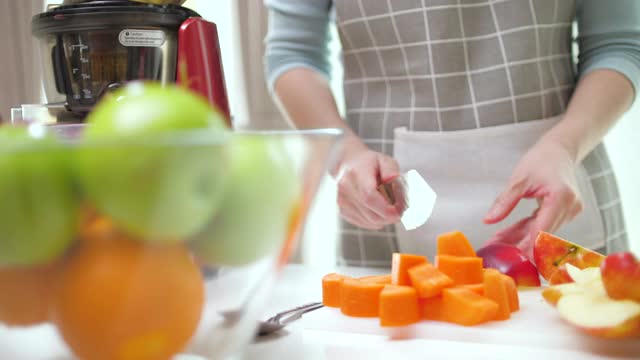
[{"x": 138, "y": 249}]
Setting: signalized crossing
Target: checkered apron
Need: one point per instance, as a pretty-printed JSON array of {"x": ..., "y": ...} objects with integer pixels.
[{"x": 447, "y": 65}]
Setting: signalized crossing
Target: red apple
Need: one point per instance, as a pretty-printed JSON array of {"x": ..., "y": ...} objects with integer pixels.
[
  {"x": 509, "y": 260},
  {"x": 550, "y": 253},
  {"x": 621, "y": 276}
]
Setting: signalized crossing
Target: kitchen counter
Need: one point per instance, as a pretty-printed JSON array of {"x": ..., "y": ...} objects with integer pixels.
[{"x": 534, "y": 332}]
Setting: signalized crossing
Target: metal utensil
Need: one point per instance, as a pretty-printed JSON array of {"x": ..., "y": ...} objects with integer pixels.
[
  {"x": 282, "y": 319},
  {"x": 412, "y": 195},
  {"x": 276, "y": 322}
]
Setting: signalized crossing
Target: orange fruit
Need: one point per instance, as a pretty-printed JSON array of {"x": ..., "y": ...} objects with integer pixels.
[
  {"x": 125, "y": 300},
  {"x": 94, "y": 226},
  {"x": 26, "y": 294}
]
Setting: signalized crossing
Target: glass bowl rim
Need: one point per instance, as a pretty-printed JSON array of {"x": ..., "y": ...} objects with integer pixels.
[{"x": 177, "y": 138}]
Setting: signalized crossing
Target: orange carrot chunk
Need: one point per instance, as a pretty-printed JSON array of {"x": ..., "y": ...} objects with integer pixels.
[
  {"x": 512, "y": 292},
  {"x": 380, "y": 279},
  {"x": 331, "y": 284},
  {"x": 494, "y": 289},
  {"x": 454, "y": 243},
  {"x": 428, "y": 280},
  {"x": 400, "y": 263},
  {"x": 398, "y": 306},
  {"x": 432, "y": 308},
  {"x": 464, "y": 307},
  {"x": 360, "y": 298},
  {"x": 462, "y": 269},
  {"x": 476, "y": 288}
]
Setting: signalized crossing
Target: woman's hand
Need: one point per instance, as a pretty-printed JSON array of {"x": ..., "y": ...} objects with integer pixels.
[
  {"x": 546, "y": 173},
  {"x": 359, "y": 174}
]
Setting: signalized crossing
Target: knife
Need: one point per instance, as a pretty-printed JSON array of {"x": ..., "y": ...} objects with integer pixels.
[{"x": 412, "y": 195}]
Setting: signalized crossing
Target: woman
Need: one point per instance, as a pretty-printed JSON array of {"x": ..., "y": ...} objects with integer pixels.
[{"x": 481, "y": 97}]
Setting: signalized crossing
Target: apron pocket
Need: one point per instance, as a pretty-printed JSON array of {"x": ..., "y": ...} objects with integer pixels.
[{"x": 468, "y": 169}]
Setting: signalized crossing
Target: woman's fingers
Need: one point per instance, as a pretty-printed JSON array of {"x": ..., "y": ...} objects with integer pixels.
[
  {"x": 388, "y": 168},
  {"x": 359, "y": 200},
  {"x": 506, "y": 202},
  {"x": 515, "y": 233},
  {"x": 557, "y": 208}
]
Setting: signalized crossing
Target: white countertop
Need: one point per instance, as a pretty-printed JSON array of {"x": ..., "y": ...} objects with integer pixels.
[{"x": 535, "y": 332}]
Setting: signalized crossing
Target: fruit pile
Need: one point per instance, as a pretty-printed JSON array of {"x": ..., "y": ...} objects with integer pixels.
[
  {"x": 456, "y": 289},
  {"x": 105, "y": 237},
  {"x": 597, "y": 294}
]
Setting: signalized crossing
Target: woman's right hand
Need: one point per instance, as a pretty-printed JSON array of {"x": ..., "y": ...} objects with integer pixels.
[{"x": 359, "y": 174}]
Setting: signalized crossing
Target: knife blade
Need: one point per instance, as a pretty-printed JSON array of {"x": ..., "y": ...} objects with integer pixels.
[{"x": 412, "y": 195}]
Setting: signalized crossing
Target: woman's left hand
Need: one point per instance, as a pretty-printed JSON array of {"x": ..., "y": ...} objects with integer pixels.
[{"x": 546, "y": 173}]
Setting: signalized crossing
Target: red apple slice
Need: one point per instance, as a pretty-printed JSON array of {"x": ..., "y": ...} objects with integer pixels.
[
  {"x": 550, "y": 252},
  {"x": 560, "y": 276}
]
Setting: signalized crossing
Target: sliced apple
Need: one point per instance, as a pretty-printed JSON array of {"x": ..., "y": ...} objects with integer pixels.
[
  {"x": 550, "y": 252},
  {"x": 554, "y": 293},
  {"x": 581, "y": 281},
  {"x": 584, "y": 276},
  {"x": 600, "y": 315}
]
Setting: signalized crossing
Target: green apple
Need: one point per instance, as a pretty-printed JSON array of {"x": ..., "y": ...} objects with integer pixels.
[
  {"x": 153, "y": 159},
  {"x": 38, "y": 206},
  {"x": 258, "y": 200}
]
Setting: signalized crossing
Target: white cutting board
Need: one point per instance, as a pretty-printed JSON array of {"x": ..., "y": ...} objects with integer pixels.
[{"x": 536, "y": 325}]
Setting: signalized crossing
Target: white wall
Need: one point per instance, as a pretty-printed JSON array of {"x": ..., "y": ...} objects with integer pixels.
[{"x": 623, "y": 143}]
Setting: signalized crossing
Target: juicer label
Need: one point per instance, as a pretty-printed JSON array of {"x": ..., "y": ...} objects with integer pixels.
[{"x": 142, "y": 38}]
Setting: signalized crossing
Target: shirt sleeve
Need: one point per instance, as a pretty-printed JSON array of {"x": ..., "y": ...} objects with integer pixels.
[
  {"x": 298, "y": 36},
  {"x": 609, "y": 37}
]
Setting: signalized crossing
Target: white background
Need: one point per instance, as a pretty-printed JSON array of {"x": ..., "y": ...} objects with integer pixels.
[{"x": 623, "y": 143}]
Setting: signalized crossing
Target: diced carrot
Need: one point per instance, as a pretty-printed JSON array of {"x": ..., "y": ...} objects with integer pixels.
[
  {"x": 462, "y": 269},
  {"x": 512, "y": 292},
  {"x": 360, "y": 298},
  {"x": 428, "y": 280},
  {"x": 380, "y": 279},
  {"x": 331, "y": 284},
  {"x": 494, "y": 289},
  {"x": 432, "y": 308},
  {"x": 464, "y": 307},
  {"x": 398, "y": 306},
  {"x": 476, "y": 288},
  {"x": 400, "y": 263},
  {"x": 454, "y": 243}
]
